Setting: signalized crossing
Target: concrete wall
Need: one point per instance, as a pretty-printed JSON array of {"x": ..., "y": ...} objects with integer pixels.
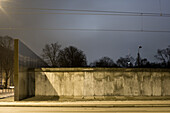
[
  {"x": 87, "y": 82},
  {"x": 24, "y": 79}
]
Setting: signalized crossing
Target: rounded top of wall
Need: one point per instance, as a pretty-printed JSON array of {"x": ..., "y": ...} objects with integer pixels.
[{"x": 101, "y": 69}]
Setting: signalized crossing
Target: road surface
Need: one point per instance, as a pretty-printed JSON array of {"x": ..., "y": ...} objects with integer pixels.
[{"x": 84, "y": 109}]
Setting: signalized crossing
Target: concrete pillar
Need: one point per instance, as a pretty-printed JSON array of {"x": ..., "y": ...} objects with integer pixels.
[{"x": 16, "y": 69}]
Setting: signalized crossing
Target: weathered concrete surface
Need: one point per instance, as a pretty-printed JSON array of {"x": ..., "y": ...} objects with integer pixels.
[
  {"x": 24, "y": 79},
  {"x": 98, "y": 82}
]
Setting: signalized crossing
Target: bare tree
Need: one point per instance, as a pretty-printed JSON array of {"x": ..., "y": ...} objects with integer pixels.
[
  {"x": 7, "y": 57},
  {"x": 103, "y": 62},
  {"x": 164, "y": 55},
  {"x": 71, "y": 57},
  {"x": 50, "y": 53},
  {"x": 127, "y": 61},
  {"x": 145, "y": 62}
]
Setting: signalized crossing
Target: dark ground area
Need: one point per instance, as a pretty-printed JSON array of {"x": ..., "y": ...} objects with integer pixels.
[{"x": 102, "y": 98}]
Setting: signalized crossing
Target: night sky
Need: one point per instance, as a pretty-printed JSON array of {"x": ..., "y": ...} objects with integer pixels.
[{"x": 89, "y": 25}]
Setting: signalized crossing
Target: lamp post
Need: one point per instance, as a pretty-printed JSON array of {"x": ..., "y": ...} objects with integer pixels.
[{"x": 139, "y": 56}]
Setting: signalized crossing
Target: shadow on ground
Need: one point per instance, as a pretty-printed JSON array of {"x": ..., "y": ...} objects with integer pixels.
[
  {"x": 7, "y": 99},
  {"x": 97, "y": 98},
  {"x": 43, "y": 98},
  {"x": 73, "y": 99}
]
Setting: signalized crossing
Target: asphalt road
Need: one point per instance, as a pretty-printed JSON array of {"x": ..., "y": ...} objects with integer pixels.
[{"x": 84, "y": 110}]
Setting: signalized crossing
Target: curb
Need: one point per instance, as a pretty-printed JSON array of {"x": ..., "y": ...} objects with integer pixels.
[{"x": 82, "y": 105}]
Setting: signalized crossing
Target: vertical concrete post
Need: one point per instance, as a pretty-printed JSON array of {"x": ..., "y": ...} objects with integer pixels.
[{"x": 16, "y": 69}]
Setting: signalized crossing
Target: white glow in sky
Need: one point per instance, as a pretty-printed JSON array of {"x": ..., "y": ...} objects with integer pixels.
[{"x": 95, "y": 44}]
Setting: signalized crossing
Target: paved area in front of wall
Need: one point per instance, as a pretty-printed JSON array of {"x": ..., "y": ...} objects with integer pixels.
[
  {"x": 5, "y": 95},
  {"x": 7, "y": 100},
  {"x": 88, "y": 104}
]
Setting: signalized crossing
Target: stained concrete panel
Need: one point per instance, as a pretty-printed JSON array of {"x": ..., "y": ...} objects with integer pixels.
[
  {"x": 166, "y": 84},
  {"x": 99, "y": 80},
  {"x": 68, "y": 84},
  {"x": 128, "y": 84},
  {"x": 140, "y": 80},
  {"x": 62, "y": 85},
  {"x": 49, "y": 83},
  {"x": 147, "y": 88},
  {"x": 78, "y": 83},
  {"x": 42, "y": 86},
  {"x": 102, "y": 83},
  {"x": 156, "y": 81},
  {"x": 109, "y": 84},
  {"x": 88, "y": 84},
  {"x": 38, "y": 84},
  {"x": 118, "y": 83},
  {"x": 136, "y": 85},
  {"x": 58, "y": 80},
  {"x": 119, "y": 86}
]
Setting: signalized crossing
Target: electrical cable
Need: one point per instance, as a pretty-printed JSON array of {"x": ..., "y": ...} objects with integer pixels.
[
  {"x": 72, "y": 29},
  {"x": 88, "y": 12}
]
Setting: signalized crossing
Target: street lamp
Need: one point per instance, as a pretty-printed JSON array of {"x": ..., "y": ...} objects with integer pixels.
[{"x": 139, "y": 56}]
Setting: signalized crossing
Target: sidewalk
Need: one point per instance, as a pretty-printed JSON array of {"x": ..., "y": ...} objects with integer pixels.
[
  {"x": 5, "y": 95},
  {"x": 87, "y": 104},
  {"x": 8, "y": 101}
]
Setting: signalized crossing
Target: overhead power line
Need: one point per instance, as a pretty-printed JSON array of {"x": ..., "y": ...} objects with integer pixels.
[
  {"x": 81, "y": 10},
  {"x": 86, "y": 12},
  {"x": 72, "y": 29},
  {"x": 121, "y": 14}
]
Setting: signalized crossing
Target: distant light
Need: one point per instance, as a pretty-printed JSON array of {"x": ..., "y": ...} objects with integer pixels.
[
  {"x": 1, "y": 3},
  {"x": 1, "y": 7}
]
